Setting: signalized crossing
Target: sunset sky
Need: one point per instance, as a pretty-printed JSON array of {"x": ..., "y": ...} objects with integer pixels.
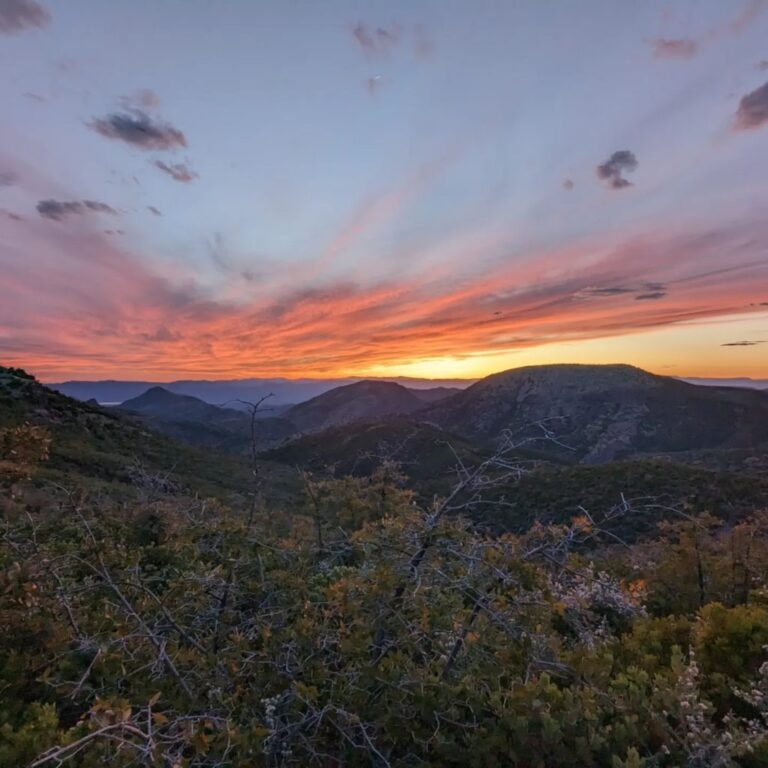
[{"x": 435, "y": 188}]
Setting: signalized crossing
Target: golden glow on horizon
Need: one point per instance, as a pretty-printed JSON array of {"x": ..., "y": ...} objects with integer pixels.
[{"x": 688, "y": 349}]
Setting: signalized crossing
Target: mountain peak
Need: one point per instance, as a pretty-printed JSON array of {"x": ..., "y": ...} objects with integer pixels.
[
  {"x": 603, "y": 412},
  {"x": 352, "y": 402},
  {"x": 156, "y": 393},
  {"x": 578, "y": 372},
  {"x": 159, "y": 401}
]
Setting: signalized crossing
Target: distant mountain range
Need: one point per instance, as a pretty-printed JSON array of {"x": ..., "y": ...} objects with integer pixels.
[
  {"x": 595, "y": 413},
  {"x": 619, "y": 431},
  {"x": 739, "y": 381},
  {"x": 284, "y": 391},
  {"x": 287, "y": 392},
  {"x": 194, "y": 421}
]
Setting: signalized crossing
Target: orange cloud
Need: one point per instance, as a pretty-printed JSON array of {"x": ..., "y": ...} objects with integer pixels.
[{"x": 101, "y": 311}]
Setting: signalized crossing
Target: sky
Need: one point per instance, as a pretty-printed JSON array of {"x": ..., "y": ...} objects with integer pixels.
[{"x": 432, "y": 188}]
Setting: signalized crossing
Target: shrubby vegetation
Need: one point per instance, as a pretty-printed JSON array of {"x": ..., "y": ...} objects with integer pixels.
[{"x": 366, "y": 629}]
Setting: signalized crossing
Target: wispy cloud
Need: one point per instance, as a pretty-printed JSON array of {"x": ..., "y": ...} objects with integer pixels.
[
  {"x": 377, "y": 40},
  {"x": 745, "y": 18},
  {"x": 144, "y": 98},
  {"x": 8, "y": 178},
  {"x": 679, "y": 48},
  {"x": 177, "y": 171},
  {"x": 732, "y": 26},
  {"x": 154, "y": 211},
  {"x": 613, "y": 169},
  {"x": 18, "y": 15},
  {"x": 381, "y": 43},
  {"x": 137, "y": 128},
  {"x": 58, "y": 210},
  {"x": 742, "y": 343},
  {"x": 422, "y": 42}
]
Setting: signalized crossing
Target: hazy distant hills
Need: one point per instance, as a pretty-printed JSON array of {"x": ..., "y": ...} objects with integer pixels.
[
  {"x": 194, "y": 421},
  {"x": 739, "y": 381},
  {"x": 606, "y": 412},
  {"x": 362, "y": 400},
  {"x": 284, "y": 391},
  {"x": 287, "y": 391}
]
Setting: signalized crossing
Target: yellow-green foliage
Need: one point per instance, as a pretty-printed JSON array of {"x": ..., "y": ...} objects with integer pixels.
[{"x": 364, "y": 631}]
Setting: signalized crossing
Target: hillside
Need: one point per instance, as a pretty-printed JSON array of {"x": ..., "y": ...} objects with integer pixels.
[
  {"x": 361, "y": 400},
  {"x": 653, "y": 488},
  {"x": 104, "y": 449},
  {"x": 426, "y": 454},
  {"x": 547, "y": 491},
  {"x": 434, "y": 394},
  {"x": 601, "y": 413}
]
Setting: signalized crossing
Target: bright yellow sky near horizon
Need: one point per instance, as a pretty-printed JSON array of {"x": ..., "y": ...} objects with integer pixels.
[{"x": 687, "y": 349}]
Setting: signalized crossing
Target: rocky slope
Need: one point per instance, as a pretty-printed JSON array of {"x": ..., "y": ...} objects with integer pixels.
[{"x": 600, "y": 413}]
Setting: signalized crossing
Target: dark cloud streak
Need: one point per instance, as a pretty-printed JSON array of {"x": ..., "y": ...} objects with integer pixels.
[
  {"x": 137, "y": 128},
  {"x": 58, "y": 210},
  {"x": 177, "y": 171},
  {"x": 609, "y": 291}
]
